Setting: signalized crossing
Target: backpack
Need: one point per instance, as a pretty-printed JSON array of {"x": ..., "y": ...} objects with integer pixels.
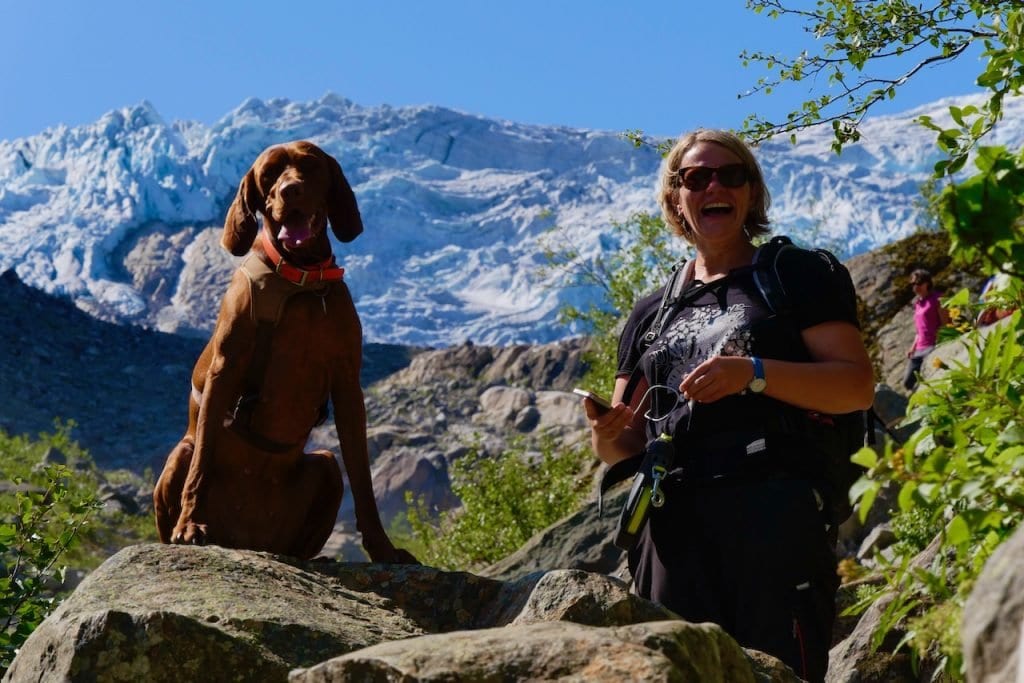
[{"x": 837, "y": 436}]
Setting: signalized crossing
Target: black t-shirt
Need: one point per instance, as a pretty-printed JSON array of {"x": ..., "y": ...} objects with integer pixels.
[{"x": 731, "y": 318}]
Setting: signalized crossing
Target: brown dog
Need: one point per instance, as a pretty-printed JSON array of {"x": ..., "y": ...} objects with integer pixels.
[{"x": 287, "y": 339}]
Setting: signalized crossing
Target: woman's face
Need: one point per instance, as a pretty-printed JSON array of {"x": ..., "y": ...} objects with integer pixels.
[{"x": 715, "y": 213}]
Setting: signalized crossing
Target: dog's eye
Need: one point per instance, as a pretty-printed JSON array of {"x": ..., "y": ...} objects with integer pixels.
[
  {"x": 308, "y": 165},
  {"x": 269, "y": 174}
]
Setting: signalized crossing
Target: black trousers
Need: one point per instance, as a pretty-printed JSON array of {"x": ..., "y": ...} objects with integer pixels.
[{"x": 750, "y": 556}]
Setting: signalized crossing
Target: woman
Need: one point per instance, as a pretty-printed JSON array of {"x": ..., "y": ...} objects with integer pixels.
[
  {"x": 741, "y": 544},
  {"x": 929, "y": 316}
]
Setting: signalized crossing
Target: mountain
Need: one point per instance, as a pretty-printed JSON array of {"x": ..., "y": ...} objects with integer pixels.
[{"x": 123, "y": 216}]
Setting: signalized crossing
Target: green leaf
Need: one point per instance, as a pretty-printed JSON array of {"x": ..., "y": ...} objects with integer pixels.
[
  {"x": 957, "y": 531},
  {"x": 867, "y": 499},
  {"x": 906, "y": 496},
  {"x": 865, "y": 457}
]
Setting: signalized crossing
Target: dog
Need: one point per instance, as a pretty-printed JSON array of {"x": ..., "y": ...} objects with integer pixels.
[{"x": 287, "y": 339}]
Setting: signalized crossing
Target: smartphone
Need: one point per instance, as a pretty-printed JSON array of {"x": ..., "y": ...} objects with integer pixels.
[{"x": 603, "y": 404}]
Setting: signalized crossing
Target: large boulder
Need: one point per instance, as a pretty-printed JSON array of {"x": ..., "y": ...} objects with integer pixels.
[
  {"x": 171, "y": 613},
  {"x": 657, "y": 651}
]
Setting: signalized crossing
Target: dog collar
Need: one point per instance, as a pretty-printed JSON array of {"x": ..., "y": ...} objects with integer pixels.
[{"x": 325, "y": 271}]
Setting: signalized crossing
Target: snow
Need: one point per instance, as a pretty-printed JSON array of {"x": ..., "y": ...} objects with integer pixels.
[{"x": 457, "y": 208}]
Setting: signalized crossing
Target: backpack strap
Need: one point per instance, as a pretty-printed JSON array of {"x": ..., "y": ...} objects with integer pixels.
[
  {"x": 766, "y": 274},
  {"x": 682, "y": 274}
]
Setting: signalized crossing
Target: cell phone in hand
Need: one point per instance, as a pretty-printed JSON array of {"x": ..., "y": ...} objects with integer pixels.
[{"x": 603, "y": 404}]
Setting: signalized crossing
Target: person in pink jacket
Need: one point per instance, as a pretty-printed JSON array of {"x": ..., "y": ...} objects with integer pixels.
[{"x": 929, "y": 316}]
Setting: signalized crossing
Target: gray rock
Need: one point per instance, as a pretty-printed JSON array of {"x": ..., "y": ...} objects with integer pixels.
[
  {"x": 501, "y": 404},
  {"x": 170, "y": 613},
  {"x": 560, "y": 410},
  {"x": 660, "y": 651},
  {"x": 425, "y": 473},
  {"x": 878, "y": 538},
  {"x": 993, "y": 617},
  {"x": 527, "y": 419},
  {"x": 583, "y": 540}
]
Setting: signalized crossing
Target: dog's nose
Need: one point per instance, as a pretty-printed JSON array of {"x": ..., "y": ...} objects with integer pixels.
[{"x": 291, "y": 189}]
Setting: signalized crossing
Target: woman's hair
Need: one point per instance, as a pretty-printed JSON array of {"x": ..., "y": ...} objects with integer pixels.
[
  {"x": 921, "y": 275},
  {"x": 756, "y": 221}
]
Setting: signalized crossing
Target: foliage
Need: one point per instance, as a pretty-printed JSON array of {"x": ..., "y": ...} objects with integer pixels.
[
  {"x": 983, "y": 214},
  {"x": 866, "y": 51},
  {"x": 637, "y": 264},
  {"x": 38, "y": 524},
  {"x": 958, "y": 474},
  {"x": 505, "y": 501}
]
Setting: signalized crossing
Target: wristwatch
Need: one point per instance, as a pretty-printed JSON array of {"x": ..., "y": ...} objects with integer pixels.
[{"x": 758, "y": 384}]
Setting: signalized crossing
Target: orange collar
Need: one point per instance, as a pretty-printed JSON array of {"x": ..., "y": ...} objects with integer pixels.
[{"x": 325, "y": 271}]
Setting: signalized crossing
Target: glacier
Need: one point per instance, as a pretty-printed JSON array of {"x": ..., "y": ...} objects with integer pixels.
[{"x": 123, "y": 216}]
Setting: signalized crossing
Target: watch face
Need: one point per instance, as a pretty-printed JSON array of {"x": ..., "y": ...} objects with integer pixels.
[{"x": 757, "y": 385}]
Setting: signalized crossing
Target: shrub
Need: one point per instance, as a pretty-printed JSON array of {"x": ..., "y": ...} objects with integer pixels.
[
  {"x": 38, "y": 524},
  {"x": 637, "y": 263},
  {"x": 505, "y": 501},
  {"x": 959, "y": 474}
]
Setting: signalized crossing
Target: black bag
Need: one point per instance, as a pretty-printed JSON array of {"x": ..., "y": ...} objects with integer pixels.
[{"x": 838, "y": 436}]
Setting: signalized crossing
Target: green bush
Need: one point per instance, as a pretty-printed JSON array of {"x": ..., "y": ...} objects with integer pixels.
[
  {"x": 959, "y": 475},
  {"x": 505, "y": 501},
  {"x": 38, "y": 524}
]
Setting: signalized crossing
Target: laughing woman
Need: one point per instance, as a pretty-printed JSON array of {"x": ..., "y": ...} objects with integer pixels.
[{"x": 744, "y": 547}]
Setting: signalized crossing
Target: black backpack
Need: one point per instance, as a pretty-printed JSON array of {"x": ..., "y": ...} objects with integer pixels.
[{"x": 837, "y": 436}]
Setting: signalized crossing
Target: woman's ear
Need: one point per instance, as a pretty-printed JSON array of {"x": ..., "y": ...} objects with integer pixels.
[
  {"x": 240, "y": 224},
  {"x": 342, "y": 210}
]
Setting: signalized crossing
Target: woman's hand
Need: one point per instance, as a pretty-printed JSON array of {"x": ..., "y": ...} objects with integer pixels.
[
  {"x": 618, "y": 433},
  {"x": 717, "y": 377},
  {"x": 838, "y": 379},
  {"x": 607, "y": 425}
]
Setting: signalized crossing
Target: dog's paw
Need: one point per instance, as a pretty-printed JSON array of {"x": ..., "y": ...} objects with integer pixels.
[
  {"x": 403, "y": 556},
  {"x": 189, "y": 533},
  {"x": 383, "y": 551}
]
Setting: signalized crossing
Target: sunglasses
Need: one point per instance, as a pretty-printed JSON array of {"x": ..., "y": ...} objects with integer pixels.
[{"x": 697, "y": 178}]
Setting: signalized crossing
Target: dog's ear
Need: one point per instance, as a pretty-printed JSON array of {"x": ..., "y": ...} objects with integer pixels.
[
  {"x": 240, "y": 224},
  {"x": 342, "y": 210}
]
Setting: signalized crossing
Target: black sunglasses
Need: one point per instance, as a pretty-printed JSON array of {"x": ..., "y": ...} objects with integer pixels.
[{"x": 697, "y": 178}]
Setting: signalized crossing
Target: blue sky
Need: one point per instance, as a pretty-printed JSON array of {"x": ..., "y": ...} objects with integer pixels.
[{"x": 660, "y": 65}]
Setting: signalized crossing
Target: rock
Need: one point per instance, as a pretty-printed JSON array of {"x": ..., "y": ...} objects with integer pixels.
[
  {"x": 993, "y": 617},
  {"x": 500, "y": 405},
  {"x": 527, "y": 419},
  {"x": 658, "y": 651},
  {"x": 560, "y": 410},
  {"x": 856, "y": 660},
  {"x": 170, "y": 613},
  {"x": 126, "y": 498},
  {"x": 880, "y": 537},
  {"x": 583, "y": 540},
  {"x": 410, "y": 469}
]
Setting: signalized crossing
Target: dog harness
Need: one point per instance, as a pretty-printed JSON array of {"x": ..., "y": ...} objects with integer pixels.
[{"x": 271, "y": 286}]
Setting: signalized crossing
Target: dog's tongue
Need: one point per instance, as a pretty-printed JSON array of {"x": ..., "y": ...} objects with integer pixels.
[{"x": 294, "y": 234}]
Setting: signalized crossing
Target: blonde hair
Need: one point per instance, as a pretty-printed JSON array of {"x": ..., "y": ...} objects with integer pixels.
[{"x": 756, "y": 221}]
